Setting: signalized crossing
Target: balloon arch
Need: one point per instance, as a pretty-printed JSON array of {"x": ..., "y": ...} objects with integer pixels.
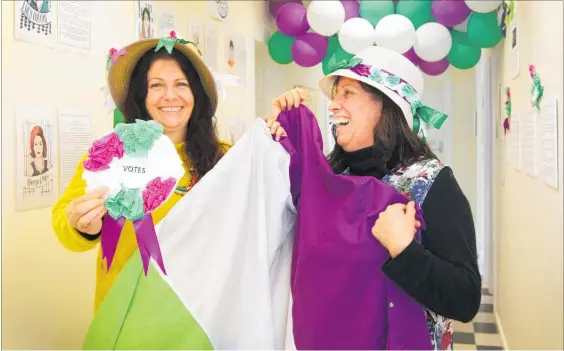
[{"x": 433, "y": 34}]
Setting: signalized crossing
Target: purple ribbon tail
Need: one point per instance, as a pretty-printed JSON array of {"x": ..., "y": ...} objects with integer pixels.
[
  {"x": 148, "y": 242},
  {"x": 111, "y": 230}
]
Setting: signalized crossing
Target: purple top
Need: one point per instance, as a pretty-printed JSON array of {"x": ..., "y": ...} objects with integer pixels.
[{"x": 342, "y": 300}]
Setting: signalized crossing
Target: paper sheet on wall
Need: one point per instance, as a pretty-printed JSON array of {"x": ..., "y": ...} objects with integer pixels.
[
  {"x": 211, "y": 47},
  {"x": 167, "y": 24},
  {"x": 36, "y": 157},
  {"x": 145, "y": 20},
  {"x": 513, "y": 147},
  {"x": 75, "y": 18},
  {"x": 528, "y": 143},
  {"x": 236, "y": 57},
  {"x": 75, "y": 129},
  {"x": 548, "y": 143},
  {"x": 36, "y": 22},
  {"x": 196, "y": 33}
]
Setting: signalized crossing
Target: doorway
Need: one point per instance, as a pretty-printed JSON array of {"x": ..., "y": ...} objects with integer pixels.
[{"x": 488, "y": 114}]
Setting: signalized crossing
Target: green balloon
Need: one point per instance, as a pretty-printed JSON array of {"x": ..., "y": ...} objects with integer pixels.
[
  {"x": 483, "y": 29},
  {"x": 333, "y": 44},
  {"x": 463, "y": 54},
  {"x": 280, "y": 48},
  {"x": 418, "y": 11},
  {"x": 374, "y": 11},
  {"x": 338, "y": 54}
]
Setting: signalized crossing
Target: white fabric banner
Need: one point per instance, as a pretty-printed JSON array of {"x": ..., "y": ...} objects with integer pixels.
[{"x": 227, "y": 246}]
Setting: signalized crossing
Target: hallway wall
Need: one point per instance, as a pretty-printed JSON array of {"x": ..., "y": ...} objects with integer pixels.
[
  {"x": 48, "y": 291},
  {"x": 528, "y": 237}
]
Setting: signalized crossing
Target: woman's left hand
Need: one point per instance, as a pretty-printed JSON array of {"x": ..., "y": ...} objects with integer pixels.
[
  {"x": 275, "y": 128},
  {"x": 395, "y": 228}
]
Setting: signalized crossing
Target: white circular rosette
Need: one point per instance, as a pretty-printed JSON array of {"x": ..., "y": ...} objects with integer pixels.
[{"x": 141, "y": 168}]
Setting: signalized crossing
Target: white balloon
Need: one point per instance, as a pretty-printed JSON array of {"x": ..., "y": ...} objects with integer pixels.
[
  {"x": 483, "y": 6},
  {"x": 395, "y": 32},
  {"x": 356, "y": 34},
  {"x": 325, "y": 17},
  {"x": 462, "y": 27},
  {"x": 432, "y": 42}
]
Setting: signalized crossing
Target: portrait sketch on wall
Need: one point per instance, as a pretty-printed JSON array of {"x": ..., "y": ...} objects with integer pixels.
[
  {"x": 145, "y": 23},
  {"x": 36, "y": 21},
  {"x": 36, "y": 155}
]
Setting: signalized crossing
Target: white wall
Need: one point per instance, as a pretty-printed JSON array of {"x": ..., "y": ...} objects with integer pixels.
[
  {"x": 528, "y": 240},
  {"x": 47, "y": 295}
]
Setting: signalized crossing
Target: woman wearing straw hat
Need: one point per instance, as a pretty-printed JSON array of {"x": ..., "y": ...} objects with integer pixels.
[
  {"x": 167, "y": 81},
  {"x": 379, "y": 128}
]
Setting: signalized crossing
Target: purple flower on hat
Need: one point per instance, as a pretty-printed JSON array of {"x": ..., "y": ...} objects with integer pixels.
[{"x": 361, "y": 69}]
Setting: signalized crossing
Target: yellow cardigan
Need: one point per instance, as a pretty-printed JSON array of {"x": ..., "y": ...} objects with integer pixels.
[{"x": 127, "y": 245}]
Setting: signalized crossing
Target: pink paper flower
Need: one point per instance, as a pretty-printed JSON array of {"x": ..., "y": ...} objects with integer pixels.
[
  {"x": 173, "y": 34},
  {"x": 102, "y": 152},
  {"x": 156, "y": 193}
]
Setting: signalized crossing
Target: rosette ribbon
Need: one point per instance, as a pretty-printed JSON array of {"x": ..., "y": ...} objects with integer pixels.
[
  {"x": 133, "y": 204},
  {"x": 146, "y": 240}
]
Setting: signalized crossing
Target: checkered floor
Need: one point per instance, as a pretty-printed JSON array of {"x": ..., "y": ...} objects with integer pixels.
[{"x": 480, "y": 334}]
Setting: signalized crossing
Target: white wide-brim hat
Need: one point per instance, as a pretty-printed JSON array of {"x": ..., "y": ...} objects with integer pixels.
[{"x": 392, "y": 74}]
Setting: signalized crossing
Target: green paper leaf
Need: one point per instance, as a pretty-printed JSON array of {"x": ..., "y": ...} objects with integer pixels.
[{"x": 118, "y": 117}]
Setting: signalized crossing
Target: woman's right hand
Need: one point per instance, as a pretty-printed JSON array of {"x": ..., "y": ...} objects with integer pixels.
[
  {"x": 290, "y": 99},
  {"x": 85, "y": 213}
]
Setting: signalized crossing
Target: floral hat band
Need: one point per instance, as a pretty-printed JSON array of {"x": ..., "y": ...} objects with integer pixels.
[{"x": 421, "y": 113}]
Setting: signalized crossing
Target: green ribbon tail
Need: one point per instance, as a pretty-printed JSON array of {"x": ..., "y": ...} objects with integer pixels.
[
  {"x": 118, "y": 117},
  {"x": 431, "y": 116},
  {"x": 416, "y": 124}
]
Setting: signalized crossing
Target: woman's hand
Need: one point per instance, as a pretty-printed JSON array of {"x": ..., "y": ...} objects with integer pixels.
[
  {"x": 290, "y": 99},
  {"x": 85, "y": 213},
  {"x": 287, "y": 101},
  {"x": 395, "y": 228}
]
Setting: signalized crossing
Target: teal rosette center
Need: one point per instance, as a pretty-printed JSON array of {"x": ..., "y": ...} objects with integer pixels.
[{"x": 138, "y": 138}]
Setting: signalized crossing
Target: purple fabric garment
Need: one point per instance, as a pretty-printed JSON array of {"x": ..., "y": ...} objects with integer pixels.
[{"x": 342, "y": 300}]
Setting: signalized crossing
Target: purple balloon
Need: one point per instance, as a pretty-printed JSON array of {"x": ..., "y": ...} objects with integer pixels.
[
  {"x": 291, "y": 19},
  {"x": 309, "y": 49},
  {"x": 434, "y": 68},
  {"x": 412, "y": 56},
  {"x": 275, "y": 5},
  {"x": 352, "y": 8},
  {"x": 449, "y": 13}
]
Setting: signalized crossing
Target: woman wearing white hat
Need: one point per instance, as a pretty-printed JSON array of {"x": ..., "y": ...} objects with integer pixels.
[{"x": 380, "y": 132}]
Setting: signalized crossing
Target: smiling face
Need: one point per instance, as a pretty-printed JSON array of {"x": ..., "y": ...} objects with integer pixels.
[
  {"x": 357, "y": 112},
  {"x": 169, "y": 99},
  {"x": 38, "y": 146}
]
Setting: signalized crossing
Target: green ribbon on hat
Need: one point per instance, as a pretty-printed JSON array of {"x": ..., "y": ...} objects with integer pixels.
[
  {"x": 169, "y": 42},
  {"x": 344, "y": 64},
  {"x": 429, "y": 116}
]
